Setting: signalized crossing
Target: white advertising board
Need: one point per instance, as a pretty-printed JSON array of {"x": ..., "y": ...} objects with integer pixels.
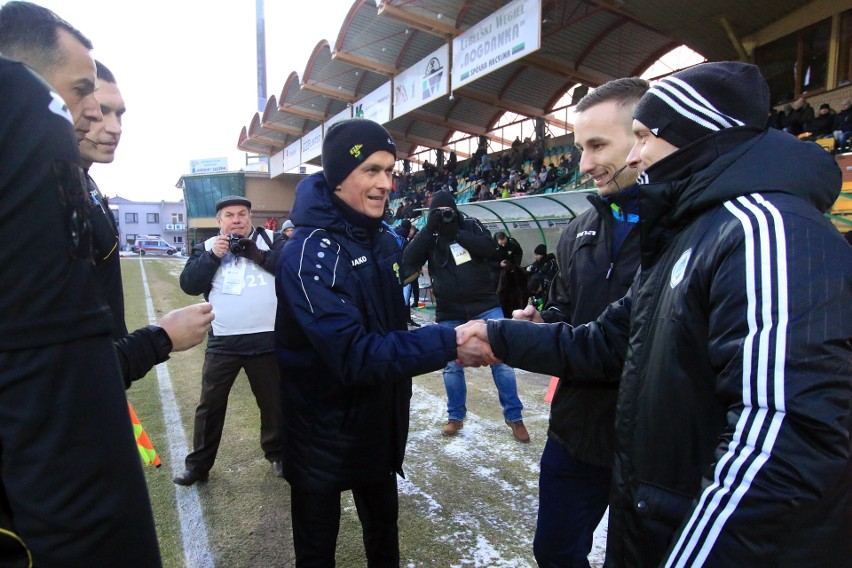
[
  {"x": 425, "y": 81},
  {"x": 208, "y": 166},
  {"x": 312, "y": 144},
  {"x": 376, "y": 106},
  {"x": 508, "y": 34}
]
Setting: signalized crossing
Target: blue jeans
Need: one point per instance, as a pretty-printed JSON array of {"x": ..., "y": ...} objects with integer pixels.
[
  {"x": 504, "y": 379},
  {"x": 572, "y": 498}
]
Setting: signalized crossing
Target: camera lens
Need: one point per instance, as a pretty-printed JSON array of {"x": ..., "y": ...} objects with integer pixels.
[{"x": 448, "y": 215}]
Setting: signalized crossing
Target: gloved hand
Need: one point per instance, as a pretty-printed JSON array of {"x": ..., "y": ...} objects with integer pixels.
[
  {"x": 433, "y": 221},
  {"x": 249, "y": 250}
]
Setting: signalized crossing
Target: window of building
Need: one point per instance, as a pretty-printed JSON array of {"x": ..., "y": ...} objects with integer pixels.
[
  {"x": 130, "y": 238},
  {"x": 177, "y": 217},
  {"x": 796, "y": 64},
  {"x": 153, "y": 217},
  {"x": 844, "y": 60},
  {"x": 178, "y": 240},
  {"x": 131, "y": 217}
]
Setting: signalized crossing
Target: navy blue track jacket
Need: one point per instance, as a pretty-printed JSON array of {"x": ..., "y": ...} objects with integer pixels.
[{"x": 345, "y": 354}]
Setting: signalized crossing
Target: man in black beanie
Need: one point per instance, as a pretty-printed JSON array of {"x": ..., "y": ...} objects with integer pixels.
[
  {"x": 345, "y": 356},
  {"x": 458, "y": 249},
  {"x": 733, "y": 421}
]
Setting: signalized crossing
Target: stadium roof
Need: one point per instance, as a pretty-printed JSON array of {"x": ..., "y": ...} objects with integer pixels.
[{"x": 582, "y": 42}]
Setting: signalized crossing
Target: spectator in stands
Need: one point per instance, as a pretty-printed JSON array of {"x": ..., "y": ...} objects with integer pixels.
[
  {"x": 733, "y": 421},
  {"x": 452, "y": 162},
  {"x": 822, "y": 125},
  {"x": 843, "y": 125},
  {"x": 345, "y": 356},
  {"x": 505, "y": 191},
  {"x": 517, "y": 161},
  {"x": 452, "y": 182},
  {"x": 458, "y": 250},
  {"x": 784, "y": 119},
  {"x": 802, "y": 113},
  {"x": 598, "y": 257},
  {"x": 484, "y": 192}
]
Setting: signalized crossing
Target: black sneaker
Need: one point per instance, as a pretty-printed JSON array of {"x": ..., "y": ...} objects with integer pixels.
[{"x": 412, "y": 323}]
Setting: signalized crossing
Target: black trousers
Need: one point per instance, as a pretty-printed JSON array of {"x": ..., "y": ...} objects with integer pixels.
[
  {"x": 316, "y": 522},
  {"x": 217, "y": 377},
  {"x": 72, "y": 477}
]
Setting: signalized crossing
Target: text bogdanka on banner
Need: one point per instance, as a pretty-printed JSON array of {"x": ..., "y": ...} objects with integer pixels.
[{"x": 503, "y": 37}]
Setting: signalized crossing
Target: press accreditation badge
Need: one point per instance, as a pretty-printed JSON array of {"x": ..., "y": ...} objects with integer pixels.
[
  {"x": 460, "y": 254},
  {"x": 234, "y": 276}
]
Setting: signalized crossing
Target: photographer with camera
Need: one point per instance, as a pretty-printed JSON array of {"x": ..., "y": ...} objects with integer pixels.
[
  {"x": 235, "y": 271},
  {"x": 458, "y": 249}
]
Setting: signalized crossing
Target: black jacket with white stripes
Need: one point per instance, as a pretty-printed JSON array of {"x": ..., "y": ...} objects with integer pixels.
[{"x": 733, "y": 419}]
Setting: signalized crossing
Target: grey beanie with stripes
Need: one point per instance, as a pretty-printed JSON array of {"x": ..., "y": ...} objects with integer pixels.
[{"x": 704, "y": 99}]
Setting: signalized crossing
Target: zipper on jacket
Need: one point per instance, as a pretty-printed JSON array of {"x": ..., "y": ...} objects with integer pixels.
[{"x": 608, "y": 272}]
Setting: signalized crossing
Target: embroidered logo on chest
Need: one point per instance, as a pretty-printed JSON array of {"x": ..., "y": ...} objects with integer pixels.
[
  {"x": 586, "y": 234},
  {"x": 679, "y": 269},
  {"x": 358, "y": 261}
]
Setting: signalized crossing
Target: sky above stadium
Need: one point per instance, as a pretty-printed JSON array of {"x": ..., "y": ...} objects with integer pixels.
[{"x": 187, "y": 71}]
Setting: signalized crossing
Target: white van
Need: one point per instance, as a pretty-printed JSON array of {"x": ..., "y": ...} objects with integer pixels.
[{"x": 155, "y": 246}]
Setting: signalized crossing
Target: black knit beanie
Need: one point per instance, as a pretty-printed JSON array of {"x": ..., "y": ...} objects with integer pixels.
[
  {"x": 442, "y": 199},
  {"x": 704, "y": 99},
  {"x": 540, "y": 249},
  {"x": 348, "y": 143}
]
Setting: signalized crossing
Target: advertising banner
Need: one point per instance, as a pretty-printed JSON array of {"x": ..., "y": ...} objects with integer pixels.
[
  {"x": 425, "y": 81},
  {"x": 507, "y": 35},
  {"x": 312, "y": 144},
  {"x": 208, "y": 166},
  {"x": 376, "y": 106},
  {"x": 342, "y": 115}
]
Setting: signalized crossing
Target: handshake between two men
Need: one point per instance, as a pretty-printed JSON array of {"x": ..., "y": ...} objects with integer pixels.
[{"x": 473, "y": 347}]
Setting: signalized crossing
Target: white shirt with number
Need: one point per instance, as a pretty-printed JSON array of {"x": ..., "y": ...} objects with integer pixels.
[{"x": 242, "y": 294}]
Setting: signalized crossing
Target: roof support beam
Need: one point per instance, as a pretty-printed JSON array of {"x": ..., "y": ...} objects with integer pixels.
[
  {"x": 278, "y": 127},
  {"x": 518, "y": 108},
  {"x": 330, "y": 93},
  {"x": 296, "y": 111},
  {"x": 456, "y": 125},
  {"x": 258, "y": 137},
  {"x": 741, "y": 52},
  {"x": 363, "y": 63},
  {"x": 418, "y": 21},
  {"x": 542, "y": 63}
]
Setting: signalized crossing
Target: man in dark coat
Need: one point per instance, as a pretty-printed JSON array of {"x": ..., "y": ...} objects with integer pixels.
[
  {"x": 733, "y": 421},
  {"x": 345, "y": 357},
  {"x": 459, "y": 249},
  {"x": 598, "y": 257}
]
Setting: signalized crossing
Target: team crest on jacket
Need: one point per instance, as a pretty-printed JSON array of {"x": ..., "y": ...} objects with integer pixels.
[{"x": 680, "y": 268}]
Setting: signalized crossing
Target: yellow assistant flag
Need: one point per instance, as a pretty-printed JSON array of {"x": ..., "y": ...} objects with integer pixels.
[{"x": 143, "y": 444}]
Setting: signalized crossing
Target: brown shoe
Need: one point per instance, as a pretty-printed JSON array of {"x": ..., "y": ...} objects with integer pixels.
[
  {"x": 452, "y": 427},
  {"x": 519, "y": 431}
]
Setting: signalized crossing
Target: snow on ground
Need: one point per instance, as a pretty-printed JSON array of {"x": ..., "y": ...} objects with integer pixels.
[{"x": 490, "y": 517}]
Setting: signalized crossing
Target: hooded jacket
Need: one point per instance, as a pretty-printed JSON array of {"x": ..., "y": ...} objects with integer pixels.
[
  {"x": 733, "y": 417},
  {"x": 345, "y": 355}
]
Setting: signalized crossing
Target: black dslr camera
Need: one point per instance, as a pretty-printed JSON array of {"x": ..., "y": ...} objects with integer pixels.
[
  {"x": 448, "y": 215},
  {"x": 234, "y": 245}
]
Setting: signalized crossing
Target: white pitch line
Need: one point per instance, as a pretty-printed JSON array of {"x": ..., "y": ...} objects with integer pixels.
[{"x": 193, "y": 530}]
